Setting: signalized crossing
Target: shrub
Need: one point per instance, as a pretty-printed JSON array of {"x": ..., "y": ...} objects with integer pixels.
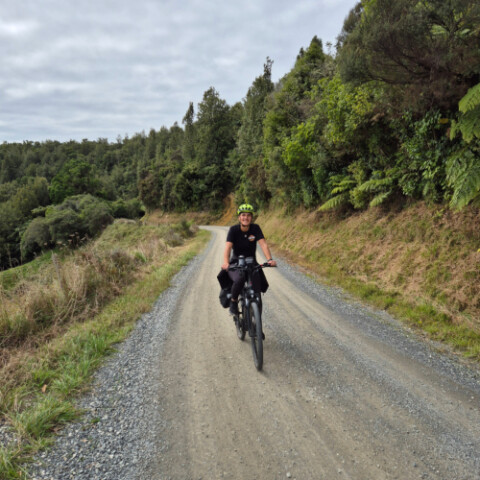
[{"x": 35, "y": 238}]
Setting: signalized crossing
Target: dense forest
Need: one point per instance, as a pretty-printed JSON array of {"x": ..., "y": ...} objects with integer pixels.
[{"x": 393, "y": 115}]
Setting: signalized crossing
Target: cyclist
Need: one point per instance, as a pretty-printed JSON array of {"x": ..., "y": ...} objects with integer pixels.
[{"x": 242, "y": 240}]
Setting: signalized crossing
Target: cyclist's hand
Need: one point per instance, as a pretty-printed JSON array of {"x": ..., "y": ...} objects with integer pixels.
[
  {"x": 272, "y": 263},
  {"x": 225, "y": 266}
]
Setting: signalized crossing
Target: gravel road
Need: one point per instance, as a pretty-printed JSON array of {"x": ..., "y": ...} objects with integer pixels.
[{"x": 345, "y": 393}]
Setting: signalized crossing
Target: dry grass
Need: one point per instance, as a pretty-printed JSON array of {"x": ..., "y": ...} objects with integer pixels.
[
  {"x": 422, "y": 254},
  {"x": 75, "y": 286}
]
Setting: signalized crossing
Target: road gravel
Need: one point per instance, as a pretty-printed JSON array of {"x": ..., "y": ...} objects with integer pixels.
[{"x": 346, "y": 392}]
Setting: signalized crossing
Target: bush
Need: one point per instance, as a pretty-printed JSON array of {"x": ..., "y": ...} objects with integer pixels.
[
  {"x": 131, "y": 209},
  {"x": 35, "y": 238},
  {"x": 95, "y": 217},
  {"x": 64, "y": 225}
]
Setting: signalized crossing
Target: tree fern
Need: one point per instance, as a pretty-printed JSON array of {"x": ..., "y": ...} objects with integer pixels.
[
  {"x": 463, "y": 176},
  {"x": 335, "y": 202},
  {"x": 341, "y": 191},
  {"x": 468, "y": 123},
  {"x": 471, "y": 100},
  {"x": 344, "y": 185},
  {"x": 380, "y": 198},
  {"x": 373, "y": 185},
  {"x": 381, "y": 187}
]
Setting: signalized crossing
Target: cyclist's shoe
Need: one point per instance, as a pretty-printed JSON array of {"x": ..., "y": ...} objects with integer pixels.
[
  {"x": 233, "y": 308},
  {"x": 263, "y": 336}
]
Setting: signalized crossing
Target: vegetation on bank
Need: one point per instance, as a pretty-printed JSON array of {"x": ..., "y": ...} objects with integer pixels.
[
  {"x": 421, "y": 263},
  {"x": 62, "y": 313}
]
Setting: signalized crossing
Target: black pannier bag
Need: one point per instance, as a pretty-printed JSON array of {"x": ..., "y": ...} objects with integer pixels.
[
  {"x": 263, "y": 280},
  {"x": 224, "y": 297},
  {"x": 225, "y": 287}
]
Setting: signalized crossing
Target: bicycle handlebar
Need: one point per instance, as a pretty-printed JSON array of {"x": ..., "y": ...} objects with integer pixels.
[{"x": 236, "y": 266}]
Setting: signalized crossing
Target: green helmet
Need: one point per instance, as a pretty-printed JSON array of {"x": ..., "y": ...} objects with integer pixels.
[{"x": 245, "y": 208}]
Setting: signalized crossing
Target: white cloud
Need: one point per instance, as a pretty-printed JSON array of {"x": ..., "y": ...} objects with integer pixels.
[
  {"x": 99, "y": 68},
  {"x": 17, "y": 28}
]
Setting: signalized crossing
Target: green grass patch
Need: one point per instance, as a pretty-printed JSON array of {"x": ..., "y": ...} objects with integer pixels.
[{"x": 9, "y": 467}]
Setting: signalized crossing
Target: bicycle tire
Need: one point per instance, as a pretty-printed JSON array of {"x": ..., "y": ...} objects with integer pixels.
[
  {"x": 240, "y": 324},
  {"x": 257, "y": 340}
]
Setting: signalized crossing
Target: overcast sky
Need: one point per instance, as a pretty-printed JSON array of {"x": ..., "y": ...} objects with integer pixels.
[{"x": 75, "y": 69}]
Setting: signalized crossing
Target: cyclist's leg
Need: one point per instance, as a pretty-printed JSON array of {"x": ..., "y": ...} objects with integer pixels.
[{"x": 238, "y": 281}]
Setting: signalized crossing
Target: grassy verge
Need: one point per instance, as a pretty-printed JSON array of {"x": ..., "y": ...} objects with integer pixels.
[
  {"x": 39, "y": 398},
  {"x": 421, "y": 264}
]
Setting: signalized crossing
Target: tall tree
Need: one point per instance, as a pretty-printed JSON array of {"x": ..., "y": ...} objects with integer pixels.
[
  {"x": 428, "y": 49},
  {"x": 250, "y": 139},
  {"x": 215, "y": 139},
  {"x": 189, "y": 141}
]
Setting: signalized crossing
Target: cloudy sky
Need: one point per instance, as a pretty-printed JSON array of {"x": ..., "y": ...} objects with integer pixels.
[{"x": 75, "y": 69}]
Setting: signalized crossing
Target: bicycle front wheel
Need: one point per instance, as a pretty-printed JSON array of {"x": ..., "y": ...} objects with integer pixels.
[{"x": 256, "y": 334}]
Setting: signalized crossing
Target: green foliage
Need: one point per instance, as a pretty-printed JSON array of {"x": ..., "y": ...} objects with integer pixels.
[
  {"x": 131, "y": 209},
  {"x": 422, "y": 155},
  {"x": 463, "y": 175},
  {"x": 77, "y": 176},
  {"x": 66, "y": 224},
  {"x": 340, "y": 192},
  {"x": 245, "y": 163},
  {"x": 36, "y": 237},
  {"x": 202, "y": 182},
  {"x": 380, "y": 186},
  {"x": 429, "y": 49},
  {"x": 288, "y": 146},
  {"x": 468, "y": 123}
]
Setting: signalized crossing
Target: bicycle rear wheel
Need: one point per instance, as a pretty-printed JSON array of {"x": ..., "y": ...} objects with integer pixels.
[{"x": 256, "y": 333}]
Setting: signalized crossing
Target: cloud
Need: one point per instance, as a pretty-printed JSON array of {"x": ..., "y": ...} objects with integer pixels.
[{"x": 100, "y": 68}]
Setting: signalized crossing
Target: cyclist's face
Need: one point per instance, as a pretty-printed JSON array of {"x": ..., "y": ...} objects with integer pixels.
[{"x": 245, "y": 219}]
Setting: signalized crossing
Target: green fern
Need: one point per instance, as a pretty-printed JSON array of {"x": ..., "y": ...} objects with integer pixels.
[
  {"x": 468, "y": 123},
  {"x": 343, "y": 186},
  {"x": 335, "y": 202},
  {"x": 471, "y": 100},
  {"x": 463, "y": 176},
  {"x": 380, "y": 198},
  {"x": 373, "y": 185}
]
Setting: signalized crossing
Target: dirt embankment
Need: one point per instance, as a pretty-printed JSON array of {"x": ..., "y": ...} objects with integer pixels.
[{"x": 427, "y": 255}]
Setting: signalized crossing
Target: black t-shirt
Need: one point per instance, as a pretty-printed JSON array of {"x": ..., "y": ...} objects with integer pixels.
[{"x": 244, "y": 243}]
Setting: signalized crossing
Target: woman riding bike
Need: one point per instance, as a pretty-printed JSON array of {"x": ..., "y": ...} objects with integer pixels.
[{"x": 242, "y": 240}]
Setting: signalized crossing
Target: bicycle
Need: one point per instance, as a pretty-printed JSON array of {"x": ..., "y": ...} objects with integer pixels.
[{"x": 249, "y": 318}]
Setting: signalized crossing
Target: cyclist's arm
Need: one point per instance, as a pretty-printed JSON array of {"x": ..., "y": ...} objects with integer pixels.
[
  {"x": 266, "y": 251},
  {"x": 226, "y": 255}
]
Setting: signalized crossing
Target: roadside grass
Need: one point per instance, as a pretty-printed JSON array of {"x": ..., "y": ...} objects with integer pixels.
[
  {"x": 38, "y": 398},
  {"x": 421, "y": 264}
]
